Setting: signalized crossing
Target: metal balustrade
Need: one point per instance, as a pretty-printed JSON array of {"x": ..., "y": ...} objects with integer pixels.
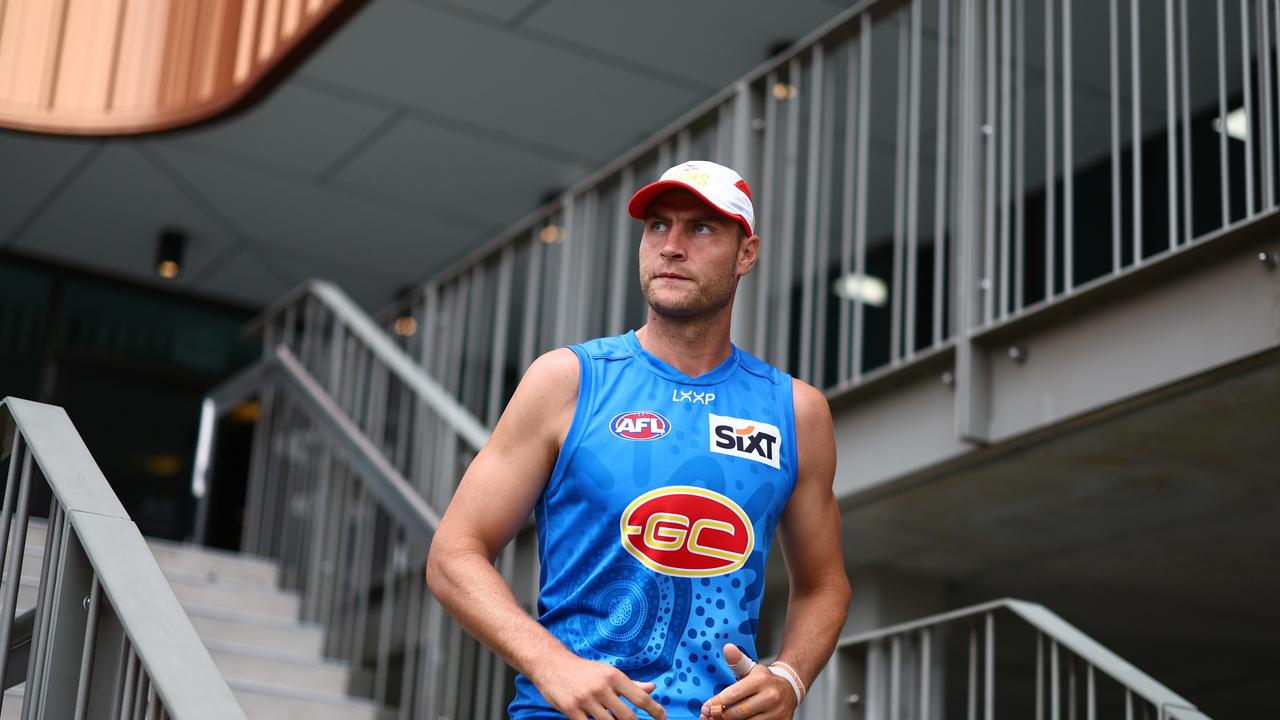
[
  {"x": 102, "y": 635},
  {"x": 356, "y": 453},
  {"x": 925, "y": 174},
  {"x": 1008, "y": 658}
]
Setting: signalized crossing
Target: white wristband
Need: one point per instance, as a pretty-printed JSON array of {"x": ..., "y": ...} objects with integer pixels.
[{"x": 786, "y": 673}]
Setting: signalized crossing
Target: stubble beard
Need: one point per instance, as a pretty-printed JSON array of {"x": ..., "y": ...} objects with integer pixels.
[{"x": 710, "y": 299}]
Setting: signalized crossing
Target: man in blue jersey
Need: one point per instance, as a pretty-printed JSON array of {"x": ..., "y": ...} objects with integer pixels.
[{"x": 658, "y": 465}]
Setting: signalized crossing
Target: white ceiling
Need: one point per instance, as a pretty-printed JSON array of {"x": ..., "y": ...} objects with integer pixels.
[{"x": 418, "y": 131}]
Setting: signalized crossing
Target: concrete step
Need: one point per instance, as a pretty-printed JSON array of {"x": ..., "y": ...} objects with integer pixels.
[
  {"x": 295, "y": 671},
  {"x": 267, "y": 702},
  {"x": 221, "y": 624}
]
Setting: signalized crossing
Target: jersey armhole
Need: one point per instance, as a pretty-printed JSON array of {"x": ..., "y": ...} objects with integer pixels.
[
  {"x": 581, "y": 412},
  {"x": 789, "y": 420}
]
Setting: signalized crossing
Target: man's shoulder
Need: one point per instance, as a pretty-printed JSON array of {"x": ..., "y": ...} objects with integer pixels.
[
  {"x": 607, "y": 348},
  {"x": 754, "y": 365}
]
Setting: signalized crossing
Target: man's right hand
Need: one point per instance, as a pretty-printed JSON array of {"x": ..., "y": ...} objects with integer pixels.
[{"x": 587, "y": 690}]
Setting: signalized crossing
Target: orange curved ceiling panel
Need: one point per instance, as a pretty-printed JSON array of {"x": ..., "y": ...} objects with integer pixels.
[{"x": 112, "y": 67}]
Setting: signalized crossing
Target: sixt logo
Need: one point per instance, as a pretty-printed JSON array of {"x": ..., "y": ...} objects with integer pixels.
[
  {"x": 639, "y": 425},
  {"x": 692, "y": 396},
  {"x": 745, "y": 439},
  {"x": 687, "y": 531}
]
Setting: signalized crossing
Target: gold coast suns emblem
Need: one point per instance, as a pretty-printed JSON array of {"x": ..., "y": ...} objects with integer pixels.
[{"x": 687, "y": 531}]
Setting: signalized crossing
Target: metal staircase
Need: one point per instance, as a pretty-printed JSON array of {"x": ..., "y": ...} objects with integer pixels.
[{"x": 271, "y": 661}]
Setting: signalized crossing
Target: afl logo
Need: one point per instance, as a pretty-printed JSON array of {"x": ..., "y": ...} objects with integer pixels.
[
  {"x": 687, "y": 531},
  {"x": 639, "y": 425}
]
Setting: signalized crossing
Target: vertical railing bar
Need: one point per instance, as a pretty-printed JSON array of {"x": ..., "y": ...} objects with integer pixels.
[
  {"x": 1055, "y": 695},
  {"x": 940, "y": 169},
  {"x": 501, "y": 327},
  {"x": 810, "y": 240},
  {"x": 1020, "y": 154},
  {"x": 989, "y": 660},
  {"x": 1116, "y": 192},
  {"x": 386, "y": 615},
  {"x": 1128, "y": 694},
  {"x": 1264, "y": 99},
  {"x": 367, "y": 522},
  {"x": 1275, "y": 89},
  {"x": 1039, "y": 676},
  {"x": 262, "y": 452},
  {"x": 1050, "y": 156},
  {"x": 1224, "y": 176},
  {"x": 913, "y": 175},
  {"x": 768, "y": 201},
  {"x": 1248, "y": 108},
  {"x": 1006, "y": 91},
  {"x": 16, "y": 453},
  {"x": 532, "y": 291},
  {"x": 787, "y": 245},
  {"x": 899, "y": 190},
  {"x": 87, "y": 650},
  {"x": 972, "y": 705},
  {"x": 683, "y": 143},
  {"x": 130, "y": 677},
  {"x": 151, "y": 701},
  {"x": 895, "y": 674},
  {"x": 13, "y": 566},
  {"x": 319, "y": 531},
  {"x": 1091, "y": 695},
  {"x": 846, "y": 217},
  {"x": 413, "y": 618},
  {"x": 1184, "y": 53},
  {"x": 1135, "y": 90},
  {"x": 290, "y": 319},
  {"x": 54, "y": 538},
  {"x": 823, "y": 291},
  {"x": 926, "y": 650},
  {"x": 860, "y": 231},
  {"x": 1068, "y": 156},
  {"x": 139, "y": 690},
  {"x": 989, "y": 201},
  {"x": 621, "y": 250},
  {"x": 308, "y": 334}
]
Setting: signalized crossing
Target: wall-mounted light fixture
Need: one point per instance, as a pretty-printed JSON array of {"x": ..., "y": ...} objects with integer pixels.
[
  {"x": 169, "y": 253},
  {"x": 867, "y": 289}
]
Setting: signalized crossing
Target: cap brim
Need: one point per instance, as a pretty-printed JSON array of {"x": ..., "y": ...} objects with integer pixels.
[{"x": 638, "y": 206}]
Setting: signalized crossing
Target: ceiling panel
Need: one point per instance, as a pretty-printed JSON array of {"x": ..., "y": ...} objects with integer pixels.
[
  {"x": 417, "y": 161},
  {"x": 296, "y": 222},
  {"x": 711, "y": 41},
  {"x": 31, "y": 167},
  {"x": 494, "y": 80},
  {"x": 504, "y": 10},
  {"x": 243, "y": 278},
  {"x": 296, "y": 129},
  {"x": 111, "y": 216}
]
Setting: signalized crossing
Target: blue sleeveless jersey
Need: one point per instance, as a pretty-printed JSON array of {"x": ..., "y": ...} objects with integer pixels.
[{"x": 655, "y": 524}]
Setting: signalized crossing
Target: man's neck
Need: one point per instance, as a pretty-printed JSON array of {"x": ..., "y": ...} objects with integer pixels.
[{"x": 693, "y": 346}]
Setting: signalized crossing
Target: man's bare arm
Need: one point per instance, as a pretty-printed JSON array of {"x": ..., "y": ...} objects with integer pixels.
[
  {"x": 811, "y": 546},
  {"x": 811, "y": 543},
  {"x": 492, "y": 503}
]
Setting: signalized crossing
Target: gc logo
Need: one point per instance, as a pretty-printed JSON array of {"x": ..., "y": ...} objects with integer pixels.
[{"x": 687, "y": 531}]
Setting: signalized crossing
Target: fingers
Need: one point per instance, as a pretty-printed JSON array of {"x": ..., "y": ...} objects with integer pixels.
[
  {"x": 738, "y": 662},
  {"x": 639, "y": 696}
]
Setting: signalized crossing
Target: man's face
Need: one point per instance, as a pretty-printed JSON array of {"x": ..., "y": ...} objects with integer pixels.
[{"x": 691, "y": 256}]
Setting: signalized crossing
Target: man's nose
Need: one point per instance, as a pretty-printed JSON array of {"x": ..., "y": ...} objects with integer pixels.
[{"x": 674, "y": 245}]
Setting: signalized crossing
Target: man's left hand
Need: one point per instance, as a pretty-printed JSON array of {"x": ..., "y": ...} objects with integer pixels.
[{"x": 758, "y": 695}]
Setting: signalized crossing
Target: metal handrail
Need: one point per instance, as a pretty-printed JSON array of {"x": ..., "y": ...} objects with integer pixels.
[
  {"x": 882, "y": 668},
  {"x": 355, "y": 448},
  {"x": 107, "y": 635}
]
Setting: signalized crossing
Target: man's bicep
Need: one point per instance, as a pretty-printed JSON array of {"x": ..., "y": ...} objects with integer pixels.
[
  {"x": 810, "y": 524},
  {"x": 504, "y": 481}
]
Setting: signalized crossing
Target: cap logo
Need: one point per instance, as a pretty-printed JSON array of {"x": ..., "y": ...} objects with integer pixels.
[
  {"x": 687, "y": 531},
  {"x": 689, "y": 175}
]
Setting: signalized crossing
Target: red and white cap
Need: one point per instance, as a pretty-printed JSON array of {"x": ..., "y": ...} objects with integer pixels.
[{"x": 718, "y": 186}]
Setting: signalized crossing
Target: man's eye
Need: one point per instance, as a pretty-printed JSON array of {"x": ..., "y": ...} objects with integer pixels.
[
  {"x": 657, "y": 225},
  {"x": 703, "y": 228}
]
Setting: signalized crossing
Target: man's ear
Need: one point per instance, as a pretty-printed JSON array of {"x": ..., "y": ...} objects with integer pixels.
[{"x": 748, "y": 254}]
